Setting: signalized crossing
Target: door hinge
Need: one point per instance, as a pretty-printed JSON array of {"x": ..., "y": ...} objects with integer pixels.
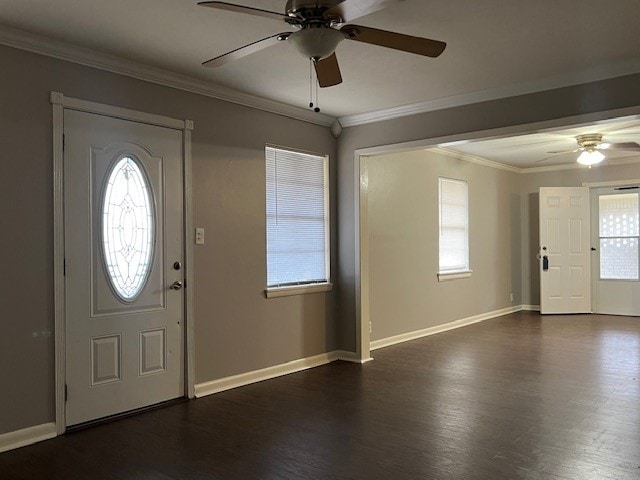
[
  {"x": 64, "y": 267},
  {"x": 66, "y": 392},
  {"x": 63, "y": 141}
]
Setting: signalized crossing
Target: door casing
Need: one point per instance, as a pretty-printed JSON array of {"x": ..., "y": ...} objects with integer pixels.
[{"x": 60, "y": 103}]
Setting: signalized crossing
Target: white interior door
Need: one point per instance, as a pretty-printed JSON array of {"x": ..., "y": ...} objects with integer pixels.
[
  {"x": 565, "y": 278},
  {"x": 615, "y": 265},
  {"x": 123, "y": 210}
]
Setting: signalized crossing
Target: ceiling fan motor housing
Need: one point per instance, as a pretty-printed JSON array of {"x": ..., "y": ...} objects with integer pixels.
[
  {"x": 589, "y": 141},
  {"x": 307, "y": 8}
]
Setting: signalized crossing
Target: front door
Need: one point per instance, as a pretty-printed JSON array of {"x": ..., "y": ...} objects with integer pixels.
[
  {"x": 615, "y": 266},
  {"x": 124, "y": 256},
  {"x": 565, "y": 278}
]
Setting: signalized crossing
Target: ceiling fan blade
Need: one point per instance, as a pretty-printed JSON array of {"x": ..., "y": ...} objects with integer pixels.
[
  {"x": 231, "y": 7},
  {"x": 562, "y": 152},
  {"x": 328, "y": 71},
  {"x": 398, "y": 41},
  {"x": 246, "y": 50},
  {"x": 621, "y": 146},
  {"x": 550, "y": 157},
  {"x": 349, "y": 10}
]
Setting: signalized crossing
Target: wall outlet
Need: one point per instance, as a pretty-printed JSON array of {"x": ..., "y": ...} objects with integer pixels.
[
  {"x": 511, "y": 297},
  {"x": 199, "y": 236}
]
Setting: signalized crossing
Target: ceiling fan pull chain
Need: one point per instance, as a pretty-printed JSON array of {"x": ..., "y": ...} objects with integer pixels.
[
  {"x": 317, "y": 109},
  {"x": 310, "y": 83}
]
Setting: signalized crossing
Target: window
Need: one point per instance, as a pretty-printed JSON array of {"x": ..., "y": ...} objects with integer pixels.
[
  {"x": 127, "y": 228},
  {"x": 454, "y": 229},
  {"x": 618, "y": 236},
  {"x": 297, "y": 222}
]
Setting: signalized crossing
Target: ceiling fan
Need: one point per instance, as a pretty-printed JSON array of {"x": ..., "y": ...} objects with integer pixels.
[
  {"x": 321, "y": 27},
  {"x": 591, "y": 146}
]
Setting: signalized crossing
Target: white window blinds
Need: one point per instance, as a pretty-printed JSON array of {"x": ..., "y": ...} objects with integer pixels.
[
  {"x": 454, "y": 225},
  {"x": 297, "y": 218}
]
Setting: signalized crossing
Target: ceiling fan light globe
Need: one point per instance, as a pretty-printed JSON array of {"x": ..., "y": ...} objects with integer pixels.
[
  {"x": 316, "y": 43},
  {"x": 590, "y": 157}
]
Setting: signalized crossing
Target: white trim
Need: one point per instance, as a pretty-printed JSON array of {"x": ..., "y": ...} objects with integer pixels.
[
  {"x": 234, "y": 381},
  {"x": 531, "y": 308},
  {"x": 275, "y": 292},
  {"x": 91, "y": 58},
  {"x": 59, "y": 103},
  {"x": 122, "y": 113},
  {"x": 27, "y": 436},
  {"x": 613, "y": 183},
  {"x": 576, "y": 78},
  {"x": 189, "y": 290},
  {"x": 58, "y": 259},
  {"x": 405, "y": 337},
  {"x": 254, "y": 376},
  {"x": 446, "y": 276},
  {"x": 475, "y": 159},
  {"x": 576, "y": 165},
  {"x": 71, "y": 53},
  {"x": 361, "y": 211},
  {"x": 351, "y": 357}
]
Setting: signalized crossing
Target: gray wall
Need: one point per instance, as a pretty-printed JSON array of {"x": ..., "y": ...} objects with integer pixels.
[
  {"x": 531, "y": 183},
  {"x": 553, "y": 104},
  {"x": 405, "y": 294},
  {"x": 237, "y": 329}
]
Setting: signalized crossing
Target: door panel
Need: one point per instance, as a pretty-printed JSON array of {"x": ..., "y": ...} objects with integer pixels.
[
  {"x": 615, "y": 265},
  {"x": 123, "y": 232},
  {"x": 564, "y": 241}
]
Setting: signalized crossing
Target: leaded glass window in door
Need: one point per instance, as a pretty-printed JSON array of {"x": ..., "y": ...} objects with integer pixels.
[{"x": 127, "y": 228}]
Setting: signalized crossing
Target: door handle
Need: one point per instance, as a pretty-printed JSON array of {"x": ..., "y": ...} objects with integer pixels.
[{"x": 177, "y": 285}]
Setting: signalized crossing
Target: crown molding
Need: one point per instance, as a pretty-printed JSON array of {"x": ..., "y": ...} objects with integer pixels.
[
  {"x": 467, "y": 157},
  {"x": 575, "y": 166},
  {"x": 594, "y": 74},
  {"x": 30, "y": 42}
]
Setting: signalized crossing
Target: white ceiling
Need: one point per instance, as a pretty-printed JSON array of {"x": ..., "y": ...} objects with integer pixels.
[
  {"x": 492, "y": 44},
  {"x": 533, "y": 150}
]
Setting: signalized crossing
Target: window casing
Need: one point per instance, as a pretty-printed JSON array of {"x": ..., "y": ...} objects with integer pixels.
[
  {"x": 297, "y": 201},
  {"x": 453, "y": 203}
]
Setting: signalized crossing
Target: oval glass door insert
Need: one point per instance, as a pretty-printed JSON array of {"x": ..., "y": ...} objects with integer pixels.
[{"x": 127, "y": 228}]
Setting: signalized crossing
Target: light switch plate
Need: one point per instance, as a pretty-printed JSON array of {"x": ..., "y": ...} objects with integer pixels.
[{"x": 199, "y": 236}]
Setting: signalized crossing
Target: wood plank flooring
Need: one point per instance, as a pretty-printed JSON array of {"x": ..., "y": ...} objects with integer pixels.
[{"x": 517, "y": 397}]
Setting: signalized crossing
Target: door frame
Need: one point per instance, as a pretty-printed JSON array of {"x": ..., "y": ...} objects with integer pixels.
[{"x": 60, "y": 103}]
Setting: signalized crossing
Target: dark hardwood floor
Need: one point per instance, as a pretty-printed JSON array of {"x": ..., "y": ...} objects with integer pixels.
[{"x": 517, "y": 397}]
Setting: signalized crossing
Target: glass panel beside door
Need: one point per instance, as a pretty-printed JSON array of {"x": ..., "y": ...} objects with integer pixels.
[{"x": 616, "y": 250}]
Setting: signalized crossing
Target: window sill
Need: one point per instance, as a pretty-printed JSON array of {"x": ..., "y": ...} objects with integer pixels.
[
  {"x": 446, "y": 276},
  {"x": 275, "y": 292}
]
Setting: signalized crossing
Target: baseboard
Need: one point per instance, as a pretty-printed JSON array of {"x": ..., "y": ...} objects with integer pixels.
[
  {"x": 405, "y": 337},
  {"x": 234, "y": 381},
  {"x": 227, "y": 383},
  {"x": 27, "y": 436},
  {"x": 531, "y": 308},
  {"x": 350, "y": 357}
]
